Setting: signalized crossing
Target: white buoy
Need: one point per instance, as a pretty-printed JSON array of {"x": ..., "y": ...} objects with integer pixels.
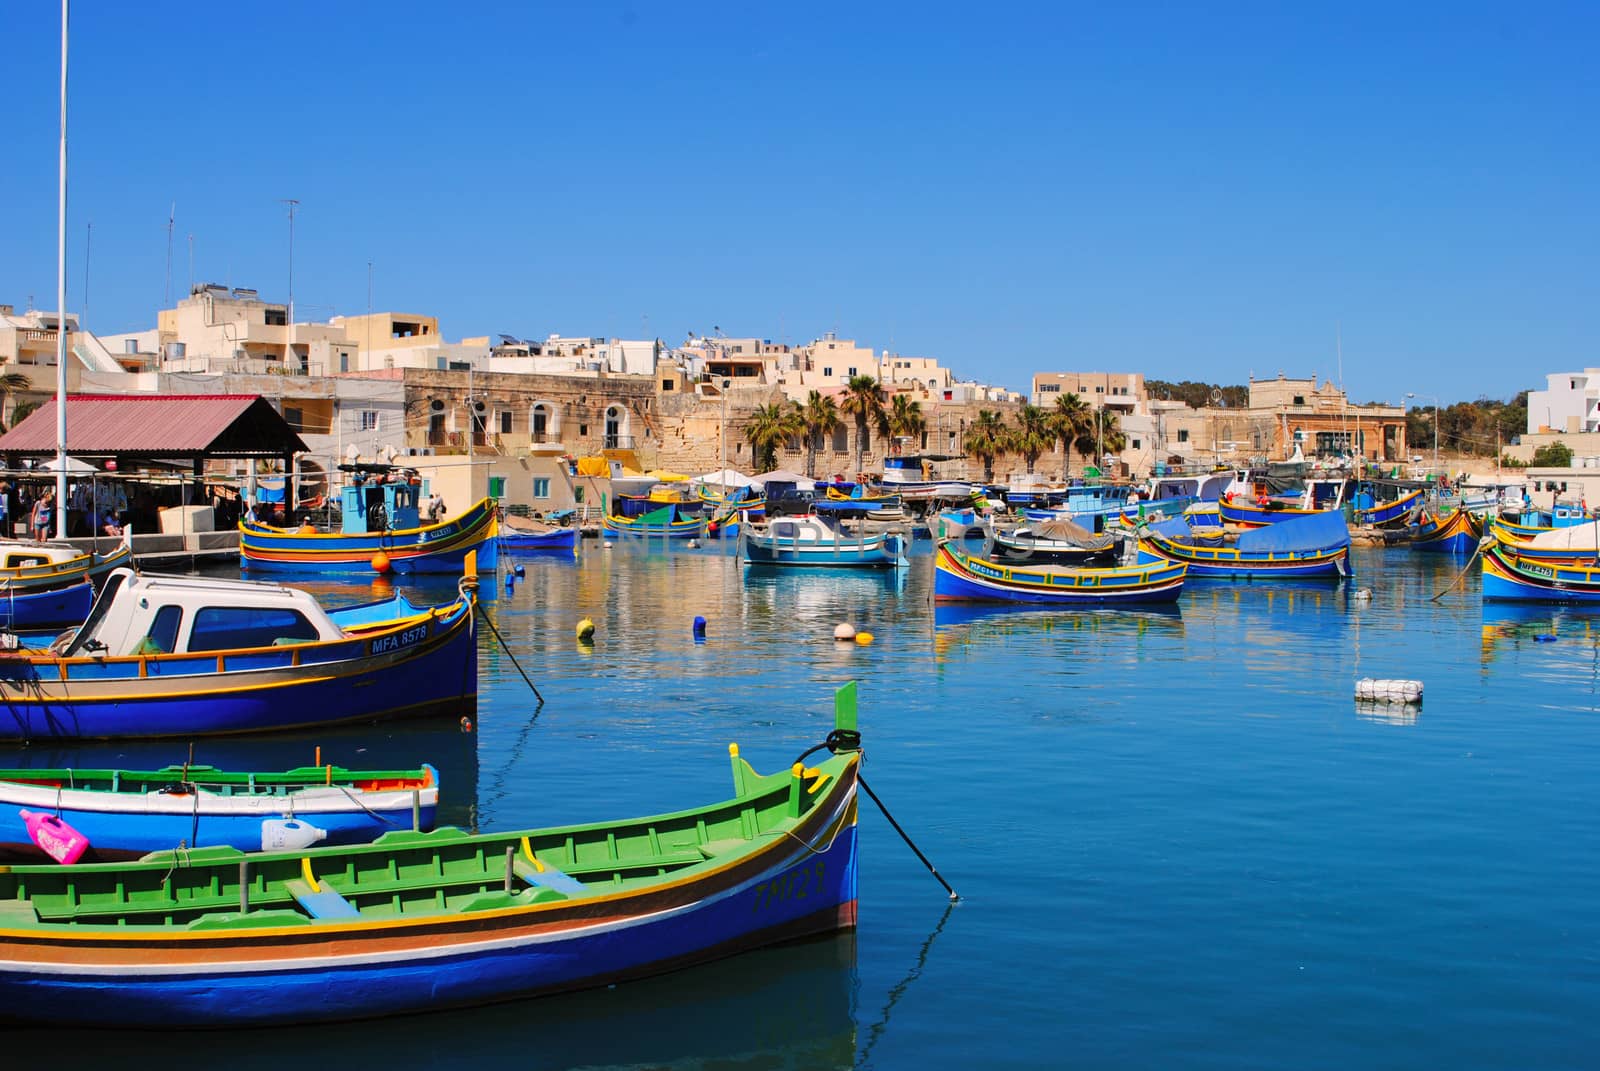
[
  {"x": 1361, "y": 594},
  {"x": 845, "y": 632},
  {"x": 694, "y": 544},
  {"x": 607, "y": 544},
  {"x": 1389, "y": 691}
]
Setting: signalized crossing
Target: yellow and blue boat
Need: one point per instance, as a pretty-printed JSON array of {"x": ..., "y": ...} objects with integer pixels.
[
  {"x": 1315, "y": 546},
  {"x": 1510, "y": 576},
  {"x": 1455, "y": 532},
  {"x": 959, "y": 575}
]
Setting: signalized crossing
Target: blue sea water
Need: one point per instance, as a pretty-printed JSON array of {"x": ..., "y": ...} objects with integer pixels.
[{"x": 1179, "y": 840}]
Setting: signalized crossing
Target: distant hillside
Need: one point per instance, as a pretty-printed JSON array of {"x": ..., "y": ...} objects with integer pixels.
[{"x": 1196, "y": 395}]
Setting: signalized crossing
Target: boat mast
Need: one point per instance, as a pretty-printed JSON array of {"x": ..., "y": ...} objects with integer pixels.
[{"x": 61, "y": 301}]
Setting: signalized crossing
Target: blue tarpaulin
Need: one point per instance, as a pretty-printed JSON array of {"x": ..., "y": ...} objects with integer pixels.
[
  {"x": 1175, "y": 529},
  {"x": 1318, "y": 531}
]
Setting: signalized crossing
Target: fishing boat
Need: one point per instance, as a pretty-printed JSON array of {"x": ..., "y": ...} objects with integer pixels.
[
  {"x": 823, "y": 540},
  {"x": 518, "y": 534},
  {"x": 420, "y": 921},
  {"x": 1524, "y": 524},
  {"x": 29, "y": 565},
  {"x": 855, "y": 492},
  {"x": 1577, "y": 543},
  {"x": 1259, "y": 512},
  {"x": 1367, "y": 510},
  {"x": 1509, "y": 576},
  {"x": 653, "y": 520},
  {"x": 912, "y": 477},
  {"x": 1057, "y": 542},
  {"x": 1306, "y": 547},
  {"x": 126, "y": 813},
  {"x": 380, "y": 529},
  {"x": 23, "y": 610},
  {"x": 194, "y": 656},
  {"x": 960, "y": 575},
  {"x": 1455, "y": 532}
]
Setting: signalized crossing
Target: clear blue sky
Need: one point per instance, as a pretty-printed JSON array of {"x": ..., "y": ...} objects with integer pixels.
[{"x": 1194, "y": 190}]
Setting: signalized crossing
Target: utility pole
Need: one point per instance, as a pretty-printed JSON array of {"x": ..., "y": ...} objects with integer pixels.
[
  {"x": 61, "y": 301},
  {"x": 291, "y": 202}
]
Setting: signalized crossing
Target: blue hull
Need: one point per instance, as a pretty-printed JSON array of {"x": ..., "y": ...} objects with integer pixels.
[
  {"x": 1460, "y": 543},
  {"x": 563, "y": 539},
  {"x": 452, "y": 562},
  {"x": 1497, "y": 588},
  {"x": 809, "y": 897},
  {"x": 950, "y": 586},
  {"x": 59, "y": 608},
  {"x": 1261, "y": 571},
  {"x": 786, "y": 557}
]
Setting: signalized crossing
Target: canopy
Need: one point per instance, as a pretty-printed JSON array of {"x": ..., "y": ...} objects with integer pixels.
[
  {"x": 724, "y": 478},
  {"x": 663, "y": 476},
  {"x": 593, "y": 466},
  {"x": 1317, "y": 531},
  {"x": 1585, "y": 536},
  {"x": 781, "y": 476},
  {"x": 1175, "y": 529},
  {"x": 73, "y": 466}
]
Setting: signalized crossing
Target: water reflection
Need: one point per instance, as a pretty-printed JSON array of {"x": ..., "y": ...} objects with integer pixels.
[{"x": 791, "y": 1006}]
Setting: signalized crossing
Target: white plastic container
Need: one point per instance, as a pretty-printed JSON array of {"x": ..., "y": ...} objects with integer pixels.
[{"x": 1389, "y": 691}]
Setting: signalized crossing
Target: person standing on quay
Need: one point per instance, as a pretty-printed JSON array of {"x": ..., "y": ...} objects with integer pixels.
[{"x": 43, "y": 515}]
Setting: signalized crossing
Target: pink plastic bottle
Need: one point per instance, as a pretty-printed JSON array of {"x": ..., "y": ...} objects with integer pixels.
[{"x": 54, "y": 837}]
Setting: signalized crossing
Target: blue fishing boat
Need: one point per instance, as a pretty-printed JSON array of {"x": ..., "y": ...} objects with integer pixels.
[
  {"x": 1509, "y": 576},
  {"x": 962, "y": 576},
  {"x": 381, "y": 530},
  {"x": 24, "y": 610},
  {"x": 821, "y": 540},
  {"x": 194, "y": 656},
  {"x": 1455, "y": 532},
  {"x": 653, "y": 519},
  {"x": 1366, "y": 509},
  {"x": 1317, "y": 545},
  {"x": 422, "y": 921},
  {"x": 128, "y": 813},
  {"x": 1526, "y": 523},
  {"x": 520, "y": 540}
]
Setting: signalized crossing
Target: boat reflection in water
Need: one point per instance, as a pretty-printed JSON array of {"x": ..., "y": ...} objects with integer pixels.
[
  {"x": 443, "y": 741},
  {"x": 787, "y": 1006},
  {"x": 986, "y": 624}
]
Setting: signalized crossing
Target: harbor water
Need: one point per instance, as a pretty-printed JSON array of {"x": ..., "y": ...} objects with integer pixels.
[{"x": 1179, "y": 840}]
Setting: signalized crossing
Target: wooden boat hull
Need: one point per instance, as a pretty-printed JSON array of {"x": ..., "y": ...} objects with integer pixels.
[
  {"x": 1389, "y": 512},
  {"x": 565, "y": 539},
  {"x": 692, "y": 528},
  {"x": 959, "y": 576},
  {"x": 1245, "y": 514},
  {"x": 1329, "y": 563},
  {"x": 1509, "y": 577},
  {"x": 1457, "y": 532},
  {"x": 414, "y": 667},
  {"x": 851, "y": 552},
  {"x": 151, "y": 817},
  {"x": 433, "y": 548},
  {"x": 772, "y": 881},
  {"x": 61, "y": 607}
]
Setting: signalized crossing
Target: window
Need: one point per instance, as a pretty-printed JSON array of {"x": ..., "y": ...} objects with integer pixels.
[
  {"x": 369, "y": 420},
  {"x": 1099, "y": 390},
  {"x": 164, "y": 629},
  {"x": 344, "y": 362},
  {"x": 583, "y": 429},
  {"x": 497, "y": 487},
  {"x": 293, "y": 417},
  {"x": 221, "y": 628},
  {"x": 1299, "y": 399},
  {"x": 666, "y": 384},
  {"x": 1049, "y": 388},
  {"x": 827, "y": 371},
  {"x": 1183, "y": 435},
  {"x": 852, "y": 372},
  {"x": 505, "y": 422},
  {"x": 841, "y": 440},
  {"x": 541, "y": 487},
  {"x": 1136, "y": 444}
]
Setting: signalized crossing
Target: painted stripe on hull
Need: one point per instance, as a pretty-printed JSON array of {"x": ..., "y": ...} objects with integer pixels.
[{"x": 951, "y": 580}]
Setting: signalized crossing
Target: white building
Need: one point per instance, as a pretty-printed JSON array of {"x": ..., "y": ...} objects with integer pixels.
[{"x": 1570, "y": 403}]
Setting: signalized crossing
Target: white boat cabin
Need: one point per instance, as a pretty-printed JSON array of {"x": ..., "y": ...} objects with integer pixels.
[
  {"x": 153, "y": 614},
  {"x": 26, "y": 553}
]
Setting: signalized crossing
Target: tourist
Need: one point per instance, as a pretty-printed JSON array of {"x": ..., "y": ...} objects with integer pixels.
[
  {"x": 435, "y": 508},
  {"x": 43, "y": 517}
]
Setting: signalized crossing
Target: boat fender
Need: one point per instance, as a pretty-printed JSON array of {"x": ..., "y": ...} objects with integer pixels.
[
  {"x": 699, "y": 627},
  {"x": 511, "y": 582},
  {"x": 466, "y": 724},
  {"x": 844, "y": 631},
  {"x": 1544, "y": 639},
  {"x": 520, "y": 571},
  {"x": 585, "y": 630},
  {"x": 54, "y": 837},
  {"x": 1394, "y": 691},
  {"x": 864, "y": 638},
  {"x": 380, "y": 562},
  {"x": 286, "y": 834}
]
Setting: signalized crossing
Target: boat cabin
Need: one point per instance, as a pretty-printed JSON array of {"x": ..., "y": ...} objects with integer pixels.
[
  {"x": 22, "y": 553},
  {"x": 378, "y": 498},
  {"x": 153, "y": 614}
]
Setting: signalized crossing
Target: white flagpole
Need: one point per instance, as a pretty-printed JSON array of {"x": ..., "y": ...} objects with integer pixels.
[{"x": 61, "y": 302}]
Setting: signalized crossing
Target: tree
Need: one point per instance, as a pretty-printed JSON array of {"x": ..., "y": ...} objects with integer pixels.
[
  {"x": 22, "y": 410},
  {"x": 820, "y": 417},
  {"x": 1198, "y": 395},
  {"x": 1033, "y": 434},
  {"x": 986, "y": 438},
  {"x": 769, "y": 428},
  {"x": 863, "y": 400},
  {"x": 905, "y": 419},
  {"x": 11, "y": 383},
  {"x": 1102, "y": 433},
  {"x": 1067, "y": 422},
  {"x": 1557, "y": 455}
]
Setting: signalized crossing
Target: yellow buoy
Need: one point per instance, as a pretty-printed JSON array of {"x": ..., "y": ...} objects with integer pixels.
[
  {"x": 380, "y": 562},
  {"x": 586, "y": 629},
  {"x": 863, "y": 638}
]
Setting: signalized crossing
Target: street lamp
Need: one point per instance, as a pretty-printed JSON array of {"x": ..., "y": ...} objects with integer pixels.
[{"x": 1435, "y": 397}]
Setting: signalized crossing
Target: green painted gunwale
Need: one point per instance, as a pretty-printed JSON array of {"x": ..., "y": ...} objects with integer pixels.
[
  {"x": 222, "y": 782},
  {"x": 406, "y": 876}
]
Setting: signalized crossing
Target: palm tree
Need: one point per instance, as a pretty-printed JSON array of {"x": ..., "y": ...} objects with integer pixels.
[
  {"x": 820, "y": 417},
  {"x": 1067, "y": 421},
  {"x": 1033, "y": 435},
  {"x": 905, "y": 419},
  {"x": 11, "y": 383},
  {"x": 769, "y": 428},
  {"x": 1102, "y": 432},
  {"x": 986, "y": 437},
  {"x": 863, "y": 400}
]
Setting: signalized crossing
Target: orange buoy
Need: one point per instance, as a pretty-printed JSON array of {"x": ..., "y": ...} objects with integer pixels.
[{"x": 380, "y": 562}]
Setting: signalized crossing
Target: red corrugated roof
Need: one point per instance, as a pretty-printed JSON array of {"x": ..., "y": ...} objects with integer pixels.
[{"x": 157, "y": 425}]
